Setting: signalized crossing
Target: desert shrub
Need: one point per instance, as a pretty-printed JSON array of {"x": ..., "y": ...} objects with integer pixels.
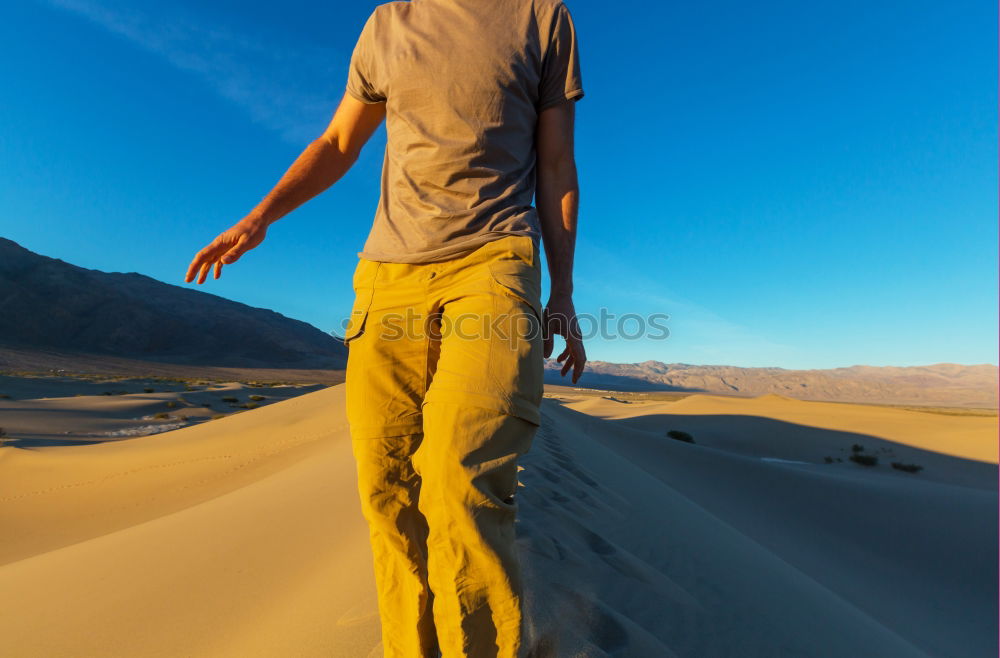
[
  {"x": 161, "y": 416},
  {"x": 207, "y": 405},
  {"x": 4, "y": 396},
  {"x": 828, "y": 460},
  {"x": 218, "y": 416},
  {"x": 909, "y": 468},
  {"x": 148, "y": 390},
  {"x": 864, "y": 460},
  {"x": 106, "y": 393},
  {"x": 171, "y": 404},
  {"x": 183, "y": 419},
  {"x": 680, "y": 436},
  {"x": 857, "y": 447},
  {"x": 250, "y": 405},
  {"x": 230, "y": 399},
  {"x": 257, "y": 398}
]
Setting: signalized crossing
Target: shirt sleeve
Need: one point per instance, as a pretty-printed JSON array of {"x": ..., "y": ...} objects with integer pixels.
[
  {"x": 361, "y": 83},
  {"x": 561, "y": 79}
]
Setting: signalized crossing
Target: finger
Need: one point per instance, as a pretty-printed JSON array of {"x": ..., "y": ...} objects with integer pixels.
[
  {"x": 199, "y": 261},
  {"x": 547, "y": 342},
  {"x": 193, "y": 268},
  {"x": 218, "y": 269},
  {"x": 569, "y": 362},
  {"x": 238, "y": 250},
  {"x": 579, "y": 362},
  {"x": 203, "y": 274}
]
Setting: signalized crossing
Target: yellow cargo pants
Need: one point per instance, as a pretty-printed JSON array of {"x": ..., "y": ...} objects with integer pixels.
[{"x": 444, "y": 382}]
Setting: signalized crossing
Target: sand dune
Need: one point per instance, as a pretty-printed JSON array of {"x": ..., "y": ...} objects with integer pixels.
[
  {"x": 243, "y": 536},
  {"x": 776, "y": 426},
  {"x": 54, "y": 411}
]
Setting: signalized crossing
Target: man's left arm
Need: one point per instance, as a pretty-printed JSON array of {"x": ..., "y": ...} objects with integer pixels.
[
  {"x": 319, "y": 166},
  {"x": 557, "y": 198}
]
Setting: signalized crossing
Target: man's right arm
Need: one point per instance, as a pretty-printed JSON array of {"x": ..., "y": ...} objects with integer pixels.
[
  {"x": 325, "y": 160},
  {"x": 319, "y": 166},
  {"x": 557, "y": 197}
]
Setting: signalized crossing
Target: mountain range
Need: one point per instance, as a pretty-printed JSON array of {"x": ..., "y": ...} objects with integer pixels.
[
  {"x": 48, "y": 304},
  {"x": 942, "y": 384}
]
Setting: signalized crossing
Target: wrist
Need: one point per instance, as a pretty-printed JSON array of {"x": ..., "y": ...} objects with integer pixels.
[
  {"x": 257, "y": 220},
  {"x": 561, "y": 292}
]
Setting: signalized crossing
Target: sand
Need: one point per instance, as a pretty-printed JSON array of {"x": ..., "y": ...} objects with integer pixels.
[
  {"x": 243, "y": 536},
  {"x": 40, "y": 411}
]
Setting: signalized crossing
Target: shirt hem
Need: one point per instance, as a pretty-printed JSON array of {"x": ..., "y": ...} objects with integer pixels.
[
  {"x": 573, "y": 95},
  {"x": 448, "y": 252},
  {"x": 357, "y": 96}
]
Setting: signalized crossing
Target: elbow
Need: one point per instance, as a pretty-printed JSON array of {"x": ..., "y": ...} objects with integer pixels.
[
  {"x": 333, "y": 144},
  {"x": 559, "y": 171}
]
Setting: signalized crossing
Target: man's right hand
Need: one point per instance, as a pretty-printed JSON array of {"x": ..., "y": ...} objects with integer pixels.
[
  {"x": 226, "y": 249},
  {"x": 559, "y": 319}
]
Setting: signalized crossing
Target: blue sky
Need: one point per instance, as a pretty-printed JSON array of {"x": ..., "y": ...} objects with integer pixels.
[{"x": 804, "y": 185}]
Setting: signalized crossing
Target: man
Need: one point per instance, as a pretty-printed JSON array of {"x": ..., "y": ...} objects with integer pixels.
[{"x": 443, "y": 382}]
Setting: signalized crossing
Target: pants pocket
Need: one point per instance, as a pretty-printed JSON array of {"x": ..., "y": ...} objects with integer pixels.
[
  {"x": 520, "y": 281},
  {"x": 364, "y": 292},
  {"x": 516, "y": 360}
]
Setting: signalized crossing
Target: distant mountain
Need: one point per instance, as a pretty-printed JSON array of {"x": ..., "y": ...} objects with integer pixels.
[
  {"x": 943, "y": 384},
  {"x": 50, "y": 304}
]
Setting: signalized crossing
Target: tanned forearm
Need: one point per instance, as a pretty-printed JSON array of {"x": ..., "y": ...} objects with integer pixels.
[
  {"x": 557, "y": 197},
  {"x": 557, "y": 200},
  {"x": 557, "y": 194},
  {"x": 319, "y": 166},
  {"x": 324, "y": 161}
]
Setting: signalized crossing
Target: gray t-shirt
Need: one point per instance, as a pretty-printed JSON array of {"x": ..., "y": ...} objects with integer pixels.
[{"x": 463, "y": 82}]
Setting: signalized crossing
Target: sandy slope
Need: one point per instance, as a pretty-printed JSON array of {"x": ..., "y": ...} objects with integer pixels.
[
  {"x": 55, "y": 411},
  {"x": 243, "y": 537}
]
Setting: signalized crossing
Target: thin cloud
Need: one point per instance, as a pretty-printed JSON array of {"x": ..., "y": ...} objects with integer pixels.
[{"x": 274, "y": 84}]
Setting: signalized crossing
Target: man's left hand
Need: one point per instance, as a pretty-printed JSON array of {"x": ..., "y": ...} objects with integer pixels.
[{"x": 559, "y": 318}]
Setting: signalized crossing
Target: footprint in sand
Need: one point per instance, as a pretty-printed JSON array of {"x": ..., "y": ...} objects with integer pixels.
[
  {"x": 598, "y": 544},
  {"x": 606, "y": 632},
  {"x": 558, "y": 497},
  {"x": 359, "y": 614}
]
